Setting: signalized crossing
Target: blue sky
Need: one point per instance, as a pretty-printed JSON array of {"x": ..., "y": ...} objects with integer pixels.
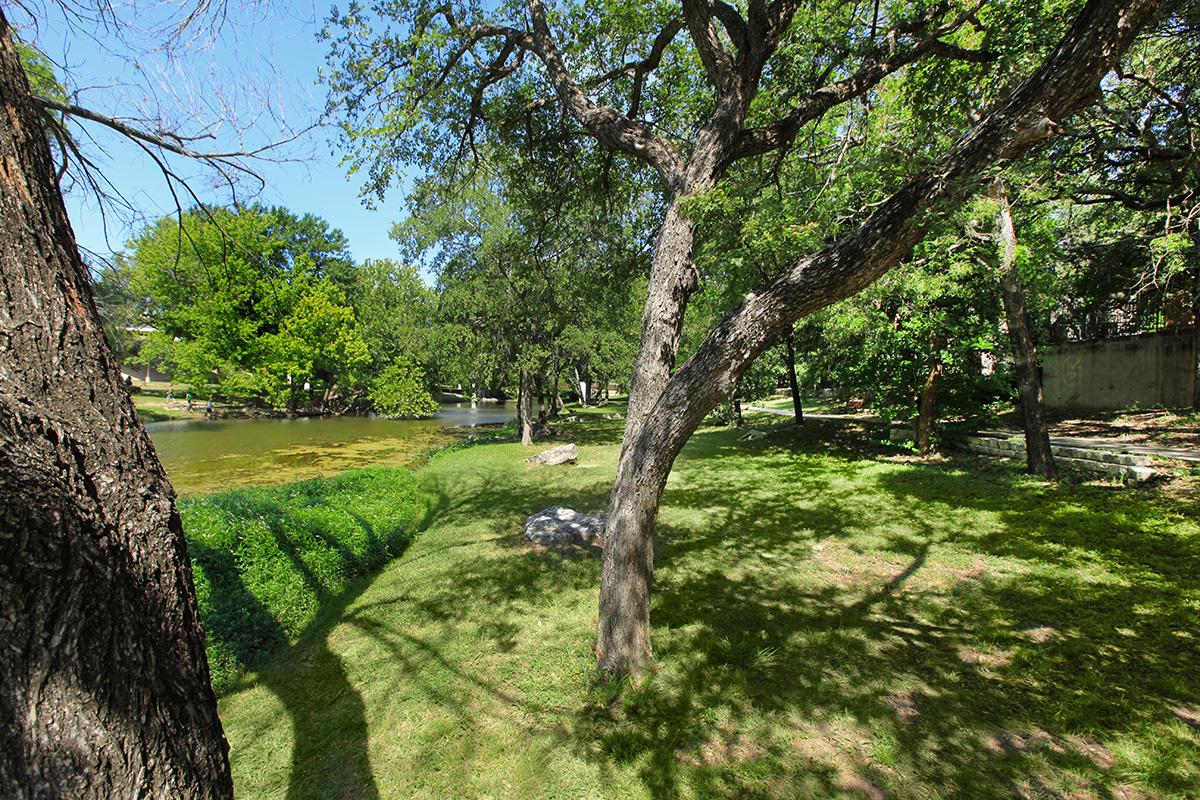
[{"x": 270, "y": 50}]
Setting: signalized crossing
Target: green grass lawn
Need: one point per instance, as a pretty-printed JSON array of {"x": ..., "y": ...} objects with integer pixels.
[
  {"x": 827, "y": 624},
  {"x": 811, "y": 405},
  {"x": 153, "y": 408}
]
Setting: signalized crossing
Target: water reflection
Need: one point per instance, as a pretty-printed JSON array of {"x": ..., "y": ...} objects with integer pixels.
[{"x": 203, "y": 456}]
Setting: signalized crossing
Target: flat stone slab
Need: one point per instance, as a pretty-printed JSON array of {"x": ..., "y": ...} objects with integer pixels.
[
  {"x": 560, "y": 526},
  {"x": 563, "y": 454}
]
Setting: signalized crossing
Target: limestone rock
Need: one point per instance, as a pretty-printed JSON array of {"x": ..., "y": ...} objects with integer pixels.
[
  {"x": 557, "y": 526},
  {"x": 563, "y": 454}
]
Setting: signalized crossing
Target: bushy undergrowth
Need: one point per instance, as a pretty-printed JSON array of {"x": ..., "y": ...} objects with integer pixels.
[{"x": 266, "y": 559}]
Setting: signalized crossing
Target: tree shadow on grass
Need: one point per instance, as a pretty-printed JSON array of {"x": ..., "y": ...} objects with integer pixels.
[
  {"x": 908, "y": 675},
  {"x": 825, "y": 626},
  {"x": 329, "y": 754},
  {"x": 326, "y": 711}
]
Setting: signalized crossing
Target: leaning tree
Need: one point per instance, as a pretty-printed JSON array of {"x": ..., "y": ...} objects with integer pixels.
[{"x": 405, "y": 72}]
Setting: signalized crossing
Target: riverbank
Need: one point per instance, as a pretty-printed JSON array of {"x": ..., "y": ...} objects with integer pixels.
[
  {"x": 827, "y": 622},
  {"x": 203, "y": 456},
  {"x": 265, "y": 560}
]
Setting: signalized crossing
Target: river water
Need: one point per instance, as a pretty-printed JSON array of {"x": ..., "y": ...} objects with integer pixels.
[{"x": 203, "y": 456}]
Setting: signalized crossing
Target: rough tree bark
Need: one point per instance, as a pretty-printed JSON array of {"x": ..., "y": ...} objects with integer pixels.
[
  {"x": 525, "y": 408},
  {"x": 104, "y": 687},
  {"x": 789, "y": 342},
  {"x": 1194, "y": 231},
  {"x": 927, "y": 405},
  {"x": 1067, "y": 81},
  {"x": 540, "y": 388},
  {"x": 1039, "y": 459}
]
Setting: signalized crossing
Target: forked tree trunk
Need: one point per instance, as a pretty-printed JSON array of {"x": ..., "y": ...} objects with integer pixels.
[
  {"x": 104, "y": 687},
  {"x": 927, "y": 406},
  {"x": 661, "y": 421},
  {"x": 1039, "y": 459},
  {"x": 525, "y": 408},
  {"x": 793, "y": 384}
]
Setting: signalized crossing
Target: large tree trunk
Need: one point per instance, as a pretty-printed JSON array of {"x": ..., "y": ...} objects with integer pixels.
[
  {"x": 927, "y": 405},
  {"x": 540, "y": 386},
  {"x": 793, "y": 384},
  {"x": 672, "y": 281},
  {"x": 555, "y": 380},
  {"x": 1195, "y": 233},
  {"x": 525, "y": 408},
  {"x": 1039, "y": 459},
  {"x": 1065, "y": 83},
  {"x": 104, "y": 687}
]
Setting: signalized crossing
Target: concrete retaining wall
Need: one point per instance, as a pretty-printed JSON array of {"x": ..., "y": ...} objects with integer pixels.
[
  {"x": 1087, "y": 459},
  {"x": 1102, "y": 462},
  {"x": 1154, "y": 369}
]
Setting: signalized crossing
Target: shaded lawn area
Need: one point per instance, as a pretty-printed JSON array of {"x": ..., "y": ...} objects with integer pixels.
[{"x": 827, "y": 625}]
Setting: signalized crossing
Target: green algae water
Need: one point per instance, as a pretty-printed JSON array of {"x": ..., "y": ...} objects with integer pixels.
[{"x": 205, "y": 456}]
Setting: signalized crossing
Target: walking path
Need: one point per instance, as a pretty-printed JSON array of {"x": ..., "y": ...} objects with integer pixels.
[{"x": 1191, "y": 454}]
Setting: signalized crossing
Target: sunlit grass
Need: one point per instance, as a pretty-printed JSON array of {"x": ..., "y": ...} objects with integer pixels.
[
  {"x": 153, "y": 408},
  {"x": 828, "y": 623}
]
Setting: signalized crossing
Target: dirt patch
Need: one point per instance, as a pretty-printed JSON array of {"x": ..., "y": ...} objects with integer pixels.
[
  {"x": 723, "y": 747},
  {"x": 842, "y": 752},
  {"x": 984, "y": 658},
  {"x": 1010, "y": 742},
  {"x": 1040, "y": 634},
  {"x": 904, "y": 703},
  {"x": 1178, "y": 428}
]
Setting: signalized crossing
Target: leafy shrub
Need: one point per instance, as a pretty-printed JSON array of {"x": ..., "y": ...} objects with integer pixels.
[
  {"x": 264, "y": 560},
  {"x": 400, "y": 391}
]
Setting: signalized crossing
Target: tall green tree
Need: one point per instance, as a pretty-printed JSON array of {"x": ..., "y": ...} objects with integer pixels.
[
  {"x": 535, "y": 260},
  {"x": 691, "y": 131},
  {"x": 251, "y": 301},
  {"x": 1133, "y": 165}
]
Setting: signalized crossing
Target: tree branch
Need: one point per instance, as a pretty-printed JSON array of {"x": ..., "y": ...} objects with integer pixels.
[
  {"x": 1067, "y": 81},
  {"x": 718, "y": 64},
  {"x": 170, "y": 142},
  {"x": 608, "y": 125},
  {"x": 886, "y": 61}
]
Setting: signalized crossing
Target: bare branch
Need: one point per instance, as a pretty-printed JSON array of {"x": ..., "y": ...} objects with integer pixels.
[{"x": 169, "y": 142}]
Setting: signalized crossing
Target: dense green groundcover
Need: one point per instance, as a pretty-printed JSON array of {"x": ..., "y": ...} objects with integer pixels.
[
  {"x": 265, "y": 560},
  {"x": 829, "y": 622}
]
